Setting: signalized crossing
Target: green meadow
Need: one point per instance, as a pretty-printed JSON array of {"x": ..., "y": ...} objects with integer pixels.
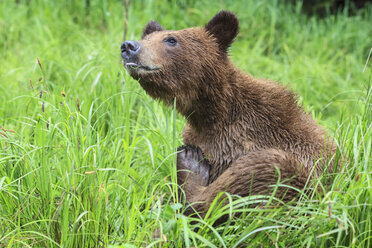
[{"x": 87, "y": 159}]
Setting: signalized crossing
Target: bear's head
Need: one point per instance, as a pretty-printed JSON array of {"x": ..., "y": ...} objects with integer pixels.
[{"x": 185, "y": 65}]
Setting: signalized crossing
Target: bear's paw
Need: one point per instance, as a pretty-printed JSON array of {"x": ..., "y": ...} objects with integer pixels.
[{"x": 192, "y": 166}]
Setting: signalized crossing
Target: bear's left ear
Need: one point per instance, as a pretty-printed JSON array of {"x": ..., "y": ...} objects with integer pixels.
[
  {"x": 224, "y": 27},
  {"x": 150, "y": 27}
]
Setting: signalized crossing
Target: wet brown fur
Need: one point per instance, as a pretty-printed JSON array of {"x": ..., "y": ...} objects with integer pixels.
[{"x": 247, "y": 128}]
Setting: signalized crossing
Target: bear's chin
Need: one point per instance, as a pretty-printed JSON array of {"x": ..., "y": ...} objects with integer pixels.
[{"x": 141, "y": 72}]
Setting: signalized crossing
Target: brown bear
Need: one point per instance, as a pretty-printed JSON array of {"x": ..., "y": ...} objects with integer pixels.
[{"x": 243, "y": 134}]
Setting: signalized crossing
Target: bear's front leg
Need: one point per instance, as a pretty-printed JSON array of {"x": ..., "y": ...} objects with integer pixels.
[{"x": 192, "y": 170}]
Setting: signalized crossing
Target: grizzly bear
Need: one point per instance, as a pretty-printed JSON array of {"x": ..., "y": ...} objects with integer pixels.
[{"x": 243, "y": 135}]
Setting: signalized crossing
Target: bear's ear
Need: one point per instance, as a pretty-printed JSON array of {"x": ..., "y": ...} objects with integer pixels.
[
  {"x": 150, "y": 27},
  {"x": 224, "y": 27}
]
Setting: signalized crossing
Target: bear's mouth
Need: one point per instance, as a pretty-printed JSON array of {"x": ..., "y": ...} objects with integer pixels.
[{"x": 136, "y": 67}]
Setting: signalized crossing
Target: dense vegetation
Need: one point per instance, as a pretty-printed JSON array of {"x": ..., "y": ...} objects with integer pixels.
[{"x": 88, "y": 160}]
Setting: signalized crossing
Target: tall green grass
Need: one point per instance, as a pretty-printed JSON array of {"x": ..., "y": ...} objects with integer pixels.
[{"x": 87, "y": 159}]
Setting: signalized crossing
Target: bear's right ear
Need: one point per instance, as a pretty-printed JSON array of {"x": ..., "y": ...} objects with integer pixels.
[
  {"x": 224, "y": 27},
  {"x": 150, "y": 27}
]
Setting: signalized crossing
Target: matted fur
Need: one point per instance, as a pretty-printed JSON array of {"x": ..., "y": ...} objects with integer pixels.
[{"x": 246, "y": 128}]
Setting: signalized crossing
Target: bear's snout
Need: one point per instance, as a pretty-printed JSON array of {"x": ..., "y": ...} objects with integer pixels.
[{"x": 129, "y": 49}]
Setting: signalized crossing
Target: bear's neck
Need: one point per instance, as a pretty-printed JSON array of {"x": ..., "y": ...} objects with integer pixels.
[
  {"x": 214, "y": 107},
  {"x": 207, "y": 113}
]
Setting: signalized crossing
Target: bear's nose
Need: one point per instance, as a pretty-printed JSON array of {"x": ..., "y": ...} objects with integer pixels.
[{"x": 129, "y": 48}]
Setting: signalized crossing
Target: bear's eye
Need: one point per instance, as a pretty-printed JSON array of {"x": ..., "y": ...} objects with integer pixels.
[{"x": 171, "y": 41}]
